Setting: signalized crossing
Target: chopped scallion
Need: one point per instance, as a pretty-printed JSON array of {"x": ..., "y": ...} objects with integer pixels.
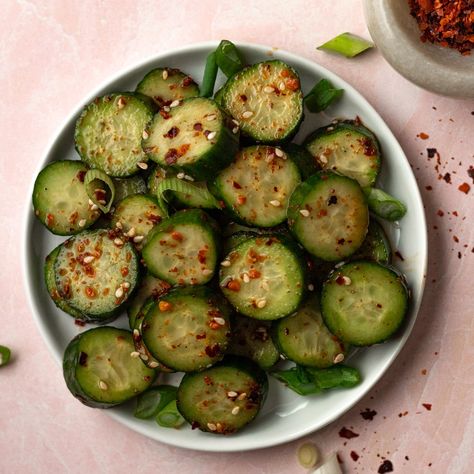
[
  {"x": 347, "y": 45},
  {"x": 5, "y": 355},
  {"x": 321, "y": 96}
]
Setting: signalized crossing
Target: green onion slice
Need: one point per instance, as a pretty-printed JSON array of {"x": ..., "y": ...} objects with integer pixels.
[
  {"x": 347, "y": 45},
  {"x": 321, "y": 96},
  {"x": 384, "y": 205},
  {"x": 100, "y": 188},
  {"x": 170, "y": 417},
  {"x": 152, "y": 401},
  {"x": 5, "y": 355},
  {"x": 210, "y": 74},
  {"x": 180, "y": 186},
  {"x": 228, "y": 58}
]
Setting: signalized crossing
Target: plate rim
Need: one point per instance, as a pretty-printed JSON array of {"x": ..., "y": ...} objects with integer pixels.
[{"x": 28, "y": 220}]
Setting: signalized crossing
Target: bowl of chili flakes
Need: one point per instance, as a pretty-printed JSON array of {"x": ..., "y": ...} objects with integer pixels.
[{"x": 429, "y": 42}]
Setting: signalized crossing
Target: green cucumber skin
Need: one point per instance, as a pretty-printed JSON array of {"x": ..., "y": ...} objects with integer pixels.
[
  {"x": 218, "y": 157},
  {"x": 303, "y": 159},
  {"x": 351, "y": 125},
  {"x": 71, "y": 359},
  {"x": 145, "y": 101},
  {"x": 246, "y": 132},
  {"x": 298, "y": 197},
  {"x": 376, "y": 245},
  {"x": 259, "y": 394},
  {"x": 336, "y": 330}
]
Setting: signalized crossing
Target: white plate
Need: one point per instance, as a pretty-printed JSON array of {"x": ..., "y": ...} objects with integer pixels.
[{"x": 285, "y": 416}]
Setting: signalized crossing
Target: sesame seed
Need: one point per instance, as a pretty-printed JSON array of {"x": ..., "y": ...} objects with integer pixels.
[
  {"x": 220, "y": 321},
  {"x": 103, "y": 385},
  {"x": 89, "y": 259},
  {"x": 153, "y": 364},
  {"x": 279, "y": 152},
  {"x": 142, "y": 165},
  {"x": 164, "y": 74},
  {"x": 338, "y": 358},
  {"x": 145, "y": 135},
  {"x": 247, "y": 114},
  {"x": 138, "y": 238},
  {"x": 188, "y": 178},
  {"x": 94, "y": 207},
  {"x": 118, "y": 242},
  {"x": 91, "y": 203},
  {"x": 143, "y": 357},
  {"x": 180, "y": 175},
  {"x": 242, "y": 396},
  {"x": 211, "y": 117},
  {"x": 246, "y": 278},
  {"x": 119, "y": 225},
  {"x": 281, "y": 86},
  {"x": 175, "y": 103},
  {"x": 136, "y": 333},
  {"x": 235, "y": 130},
  {"x": 102, "y": 201},
  {"x": 126, "y": 284},
  {"x": 330, "y": 129},
  {"x": 82, "y": 223},
  {"x": 323, "y": 159},
  {"x": 311, "y": 287},
  {"x": 347, "y": 280},
  {"x": 226, "y": 280},
  {"x": 226, "y": 263},
  {"x": 207, "y": 272},
  {"x": 212, "y": 426},
  {"x": 270, "y": 158},
  {"x": 119, "y": 292},
  {"x": 135, "y": 354},
  {"x": 265, "y": 285},
  {"x": 166, "y": 108},
  {"x": 304, "y": 212},
  {"x": 132, "y": 232},
  {"x": 236, "y": 122},
  {"x": 340, "y": 264},
  {"x": 275, "y": 203},
  {"x": 211, "y": 135},
  {"x": 268, "y": 89},
  {"x": 121, "y": 103},
  {"x": 232, "y": 394},
  {"x": 261, "y": 303},
  {"x": 235, "y": 410}
]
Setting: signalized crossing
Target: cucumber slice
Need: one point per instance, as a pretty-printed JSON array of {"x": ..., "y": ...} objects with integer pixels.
[
  {"x": 165, "y": 85},
  {"x": 257, "y": 186},
  {"x": 127, "y": 186},
  {"x": 224, "y": 398},
  {"x": 251, "y": 338},
  {"x": 95, "y": 272},
  {"x": 348, "y": 148},
  {"x": 304, "y": 338},
  {"x": 100, "y": 371},
  {"x": 264, "y": 277},
  {"x": 150, "y": 286},
  {"x": 195, "y": 138},
  {"x": 376, "y": 245},
  {"x": 187, "y": 329},
  {"x": 183, "y": 249},
  {"x": 157, "y": 175},
  {"x": 266, "y": 100},
  {"x": 364, "y": 303},
  {"x": 50, "y": 280},
  {"x": 328, "y": 214},
  {"x": 109, "y": 133},
  {"x": 136, "y": 215},
  {"x": 60, "y": 199}
]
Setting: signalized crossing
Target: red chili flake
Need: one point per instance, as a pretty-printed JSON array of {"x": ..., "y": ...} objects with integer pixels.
[
  {"x": 447, "y": 178},
  {"x": 322, "y": 213},
  {"x": 424, "y": 372},
  {"x": 183, "y": 149},
  {"x": 254, "y": 274},
  {"x": 368, "y": 414},
  {"x": 427, "y": 406},
  {"x": 368, "y": 146},
  {"x": 440, "y": 213},
  {"x": 83, "y": 359},
  {"x": 202, "y": 256},
  {"x": 177, "y": 236},
  {"x": 243, "y": 97},
  {"x": 233, "y": 285},
  {"x": 455, "y": 238},
  {"x": 80, "y": 176},
  {"x": 428, "y": 188},
  {"x": 49, "y": 219},
  {"x": 172, "y": 132},
  {"x": 241, "y": 199},
  {"x": 459, "y": 255},
  {"x": 79, "y": 322},
  {"x": 171, "y": 156},
  {"x": 90, "y": 292},
  {"x": 197, "y": 126},
  {"x": 431, "y": 152},
  {"x": 455, "y": 213},
  {"x": 445, "y": 22},
  {"x": 423, "y": 136},
  {"x": 164, "y": 114},
  {"x": 465, "y": 188},
  {"x": 194, "y": 425},
  {"x": 386, "y": 466},
  {"x": 340, "y": 280},
  {"x": 213, "y": 351},
  {"x": 292, "y": 84},
  {"x": 187, "y": 81},
  {"x": 470, "y": 173},
  {"x": 347, "y": 433},
  {"x": 354, "y": 456},
  {"x": 236, "y": 185}
]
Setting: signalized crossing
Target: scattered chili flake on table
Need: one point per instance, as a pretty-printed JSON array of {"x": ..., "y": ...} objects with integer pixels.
[
  {"x": 448, "y": 23},
  {"x": 347, "y": 433},
  {"x": 368, "y": 414},
  {"x": 464, "y": 187},
  {"x": 354, "y": 455},
  {"x": 427, "y": 406},
  {"x": 423, "y": 136},
  {"x": 386, "y": 466}
]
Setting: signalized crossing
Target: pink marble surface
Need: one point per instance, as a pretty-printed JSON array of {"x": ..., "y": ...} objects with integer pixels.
[{"x": 53, "y": 53}]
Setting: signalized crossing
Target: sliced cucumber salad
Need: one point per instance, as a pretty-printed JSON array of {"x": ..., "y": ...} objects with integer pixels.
[{"x": 239, "y": 254}]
